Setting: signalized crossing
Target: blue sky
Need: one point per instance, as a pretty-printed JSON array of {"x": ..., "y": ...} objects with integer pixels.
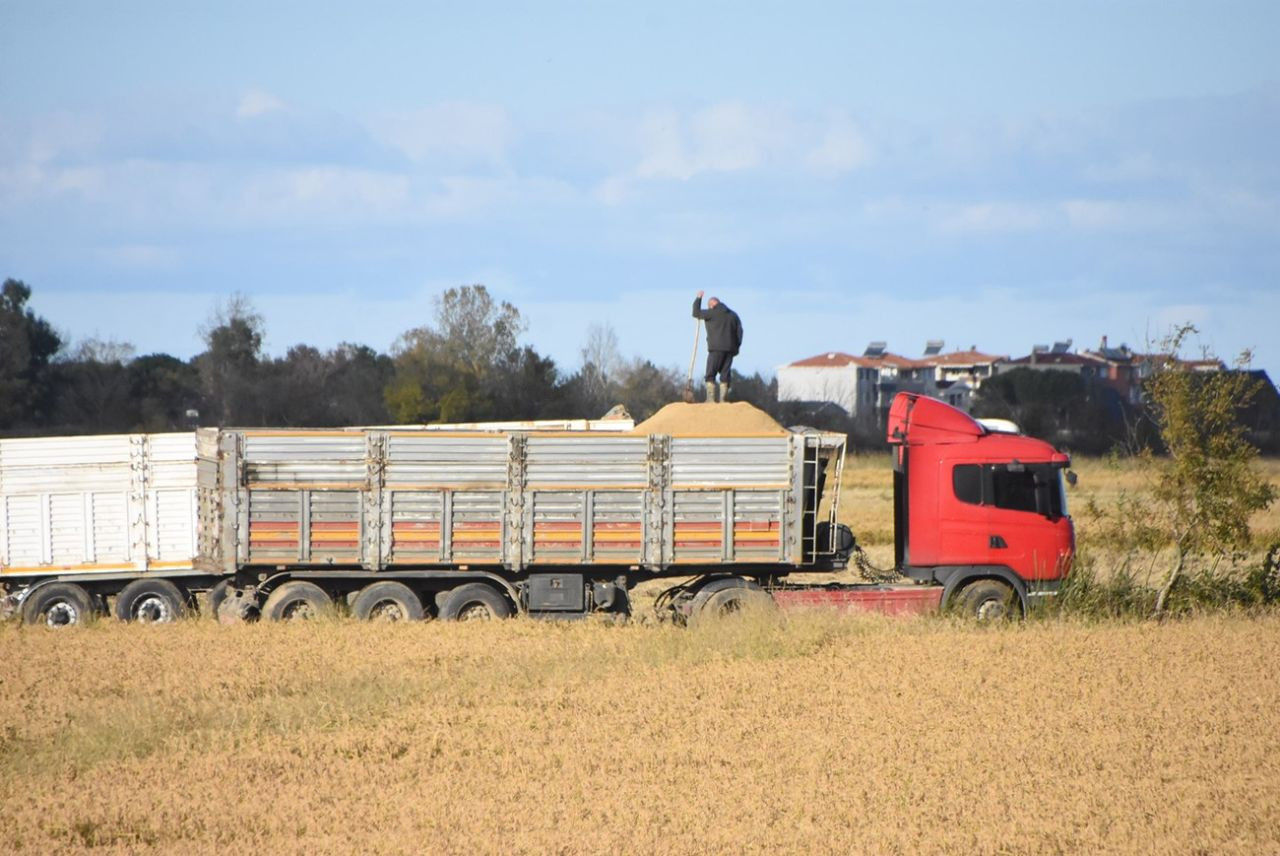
[{"x": 997, "y": 174}]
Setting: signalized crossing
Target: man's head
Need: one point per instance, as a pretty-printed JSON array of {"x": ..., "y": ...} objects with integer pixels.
[{"x": 713, "y": 303}]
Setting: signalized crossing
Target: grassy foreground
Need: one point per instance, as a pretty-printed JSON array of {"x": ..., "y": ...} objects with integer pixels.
[{"x": 818, "y": 735}]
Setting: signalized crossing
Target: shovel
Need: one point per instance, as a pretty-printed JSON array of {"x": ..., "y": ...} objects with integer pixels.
[{"x": 688, "y": 386}]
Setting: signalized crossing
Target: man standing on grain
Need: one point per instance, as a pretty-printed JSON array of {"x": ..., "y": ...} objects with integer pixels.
[{"x": 724, "y": 338}]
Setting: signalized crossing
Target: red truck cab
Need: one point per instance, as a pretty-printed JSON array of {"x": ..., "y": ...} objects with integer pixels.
[{"x": 974, "y": 504}]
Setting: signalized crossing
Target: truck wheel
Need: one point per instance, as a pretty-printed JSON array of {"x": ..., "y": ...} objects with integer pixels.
[
  {"x": 151, "y": 602},
  {"x": 988, "y": 601},
  {"x": 732, "y": 601},
  {"x": 57, "y": 605},
  {"x": 474, "y": 602},
  {"x": 217, "y": 595},
  {"x": 297, "y": 600},
  {"x": 387, "y": 601}
]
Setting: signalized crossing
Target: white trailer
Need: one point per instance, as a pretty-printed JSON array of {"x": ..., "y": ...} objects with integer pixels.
[{"x": 403, "y": 522}]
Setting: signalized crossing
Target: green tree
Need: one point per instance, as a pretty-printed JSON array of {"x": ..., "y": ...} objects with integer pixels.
[
  {"x": 1057, "y": 405},
  {"x": 448, "y": 371},
  {"x": 27, "y": 345},
  {"x": 1205, "y": 487},
  {"x": 645, "y": 388},
  {"x": 230, "y": 365},
  {"x": 95, "y": 392},
  {"x": 165, "y": 390}
]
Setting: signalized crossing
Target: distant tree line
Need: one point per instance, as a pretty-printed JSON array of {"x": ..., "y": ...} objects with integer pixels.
[
  {"x": 1084, "y": 414},
  {"x": 465, "y": 365}
]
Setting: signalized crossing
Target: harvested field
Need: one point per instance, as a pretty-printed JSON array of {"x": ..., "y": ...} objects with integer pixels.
[{"x": 820, "y": 735}]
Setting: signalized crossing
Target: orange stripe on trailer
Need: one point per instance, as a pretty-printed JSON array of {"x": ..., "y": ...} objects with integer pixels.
[
  {"x": 268, "y": 486},
  {"x": 552, "y": 487},
  {"x": 393, "y": 485},
  {"x": 93, "y": 566},
  {"x": 317, "y": 433},
  {"x": 724, "y": 487}
]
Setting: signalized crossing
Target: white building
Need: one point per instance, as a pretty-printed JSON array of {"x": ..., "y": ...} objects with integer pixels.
[
  {"x": 866, "y": 385},
  {"x": 842, "y": 379}
]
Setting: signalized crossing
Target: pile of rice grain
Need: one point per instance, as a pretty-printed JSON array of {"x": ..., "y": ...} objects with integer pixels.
[{"x": 687, "y": 420}]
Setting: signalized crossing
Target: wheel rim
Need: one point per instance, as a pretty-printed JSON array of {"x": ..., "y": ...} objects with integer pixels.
[
  {"x": 387, "y": 610},
  {"x": 153, "y": 609},
  {"x": 475, "y": 612},
  {"x": 297, "y": 610},
  {"x": 730, "y": 607},
  {"x": 992, "y": 609},
  {"x": 61, "y": 614}
]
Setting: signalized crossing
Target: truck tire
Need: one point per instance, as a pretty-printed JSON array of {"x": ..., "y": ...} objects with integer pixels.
[
  {"x": 732, "y": 601},
  {"x": 57, "y": 605},
  {"x": 387, "y": 601},
  {"x": 297, "y": 600},
  {"x": 988, "y": 601},
  {"x": 474, "y": 602},
  {"x": 151, "y": 602}
]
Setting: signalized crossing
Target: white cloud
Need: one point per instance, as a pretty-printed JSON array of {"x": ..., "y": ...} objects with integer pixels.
[
  {"x": 141, "y": 257},
  {"x": 841, "y": 148},
  {"x": 993, "y": 217},
  {"x": 451, "y": 129},
  {"x": 736, "y": 137},
  {"x": 258, "y": 103}
]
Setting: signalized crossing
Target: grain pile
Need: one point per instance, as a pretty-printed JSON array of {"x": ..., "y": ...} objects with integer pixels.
[{"x": 691, "y": 420}]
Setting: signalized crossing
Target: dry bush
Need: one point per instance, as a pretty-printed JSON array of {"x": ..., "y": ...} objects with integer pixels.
[{"x": 819, "y": 734}]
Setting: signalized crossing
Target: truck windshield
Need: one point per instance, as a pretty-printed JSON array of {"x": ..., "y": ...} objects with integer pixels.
[
  {"x": 1036, "y": 488},
  {"x": 1059, "y": 491},
  {"x": 1031, "y": 487}
]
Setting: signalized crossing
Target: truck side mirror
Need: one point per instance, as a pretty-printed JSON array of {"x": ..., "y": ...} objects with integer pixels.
[{"x": 1071, "y": 478}]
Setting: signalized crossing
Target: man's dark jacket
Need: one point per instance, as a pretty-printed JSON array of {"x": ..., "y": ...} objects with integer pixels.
[{"x": 724, "y": 328}]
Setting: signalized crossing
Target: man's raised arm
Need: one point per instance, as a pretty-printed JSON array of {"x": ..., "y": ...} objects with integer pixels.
[{"x": 697, "y": 307}]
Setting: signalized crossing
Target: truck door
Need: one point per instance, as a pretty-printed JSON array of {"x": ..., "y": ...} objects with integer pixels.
[
  {"x": 963, "y": 516},
  {"x": 1023, "y": 518}
]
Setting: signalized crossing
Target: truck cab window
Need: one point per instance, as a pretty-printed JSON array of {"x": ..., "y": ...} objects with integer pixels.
[
  {"x": 1015, "y": 491},
  {"x": 966, "y": 481}
]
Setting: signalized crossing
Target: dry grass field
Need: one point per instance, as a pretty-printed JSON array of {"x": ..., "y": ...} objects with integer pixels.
[{"x": 819, "y": 734}]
